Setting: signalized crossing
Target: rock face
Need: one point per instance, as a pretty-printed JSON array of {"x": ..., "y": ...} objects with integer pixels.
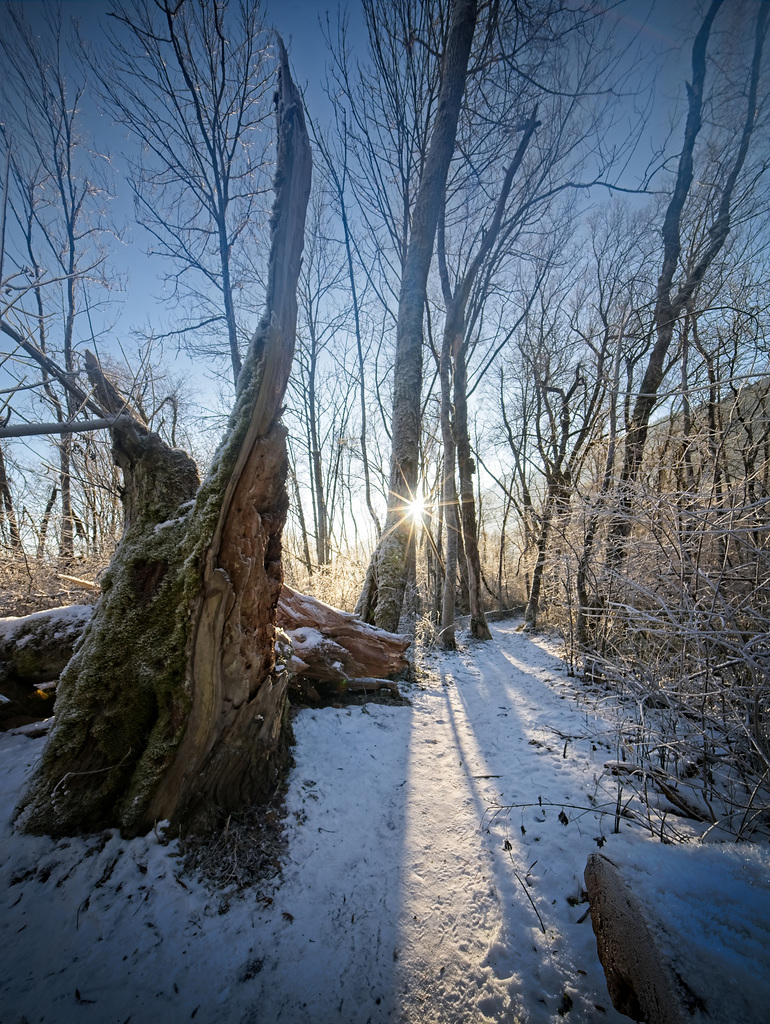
[{"x": 640, "y": 982}]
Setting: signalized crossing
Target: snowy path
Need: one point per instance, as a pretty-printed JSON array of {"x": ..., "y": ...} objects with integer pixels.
[
  {"x": 487, "y": 735},
  {"x": 404, "y": 899}
]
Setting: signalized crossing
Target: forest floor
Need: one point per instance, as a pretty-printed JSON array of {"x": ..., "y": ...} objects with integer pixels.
[{"x": 433, "y": 872}]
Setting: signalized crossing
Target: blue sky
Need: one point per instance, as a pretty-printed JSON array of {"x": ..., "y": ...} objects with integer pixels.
[{"x": 298, "y": 23}]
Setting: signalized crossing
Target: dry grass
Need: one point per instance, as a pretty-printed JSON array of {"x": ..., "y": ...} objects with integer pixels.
[
  {"x": 337, "y": 584},
  {"x": 30, "y": 585}
]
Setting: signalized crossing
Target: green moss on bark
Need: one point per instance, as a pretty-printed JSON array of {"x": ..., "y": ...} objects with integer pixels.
[{"x": 122, "y": 700}]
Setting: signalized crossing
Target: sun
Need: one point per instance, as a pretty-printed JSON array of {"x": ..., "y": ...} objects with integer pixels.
[{"x": 415, "y": 509}]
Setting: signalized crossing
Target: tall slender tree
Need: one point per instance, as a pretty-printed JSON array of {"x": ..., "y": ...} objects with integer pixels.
[{"x": 383, "y": 595}]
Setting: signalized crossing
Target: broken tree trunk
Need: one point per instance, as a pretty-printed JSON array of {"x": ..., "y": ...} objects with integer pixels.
[
  {"x": 332, "y": 646},
  {"x": 171, "y": 708}
]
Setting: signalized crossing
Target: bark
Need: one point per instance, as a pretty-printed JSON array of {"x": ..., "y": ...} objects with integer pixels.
[
  {"x": 51, "y": 369},
  {"x": 383, "y": 596},
  {"x": 640, "y": 982},
  {"x": 67, "y": 539},
  {"x": 172, "y": 707}
]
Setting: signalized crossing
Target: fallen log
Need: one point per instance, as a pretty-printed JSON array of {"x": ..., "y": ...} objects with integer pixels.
[
  {"x": 331, "y": 650},
  {"x": 335, "y": 647},
  {"x": 640, "y": 982},
  {"x": 33, "y": 652},
  {"x": 35, "y": 648}
]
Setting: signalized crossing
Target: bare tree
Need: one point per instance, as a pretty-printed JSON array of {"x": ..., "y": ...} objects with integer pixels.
[
  {"x": 53, "y": 253},
  {"x": 189, "y": 81},
  {"x": 611, "y": 321},
  {"x": 546, "y": 88},
  {"x": 678, "y": 284},
  {"x": 383, "y": 595},
  {"x": 455, "y": 435},
  {"x": 323, "y": 386},
  {"x": 335, "y": 169}
]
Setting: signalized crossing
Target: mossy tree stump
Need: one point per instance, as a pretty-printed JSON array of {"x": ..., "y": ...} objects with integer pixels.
[{"x": 172, "y": 707}]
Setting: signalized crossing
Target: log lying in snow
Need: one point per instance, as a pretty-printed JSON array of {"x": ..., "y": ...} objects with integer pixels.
[
  {"x": 336, "y": 647},
  {"x": 329, "y": 647},
  {"x": 35, "y": 648},
  {"x": 33, "y": 652},
  {"x": 640, "y": 982}
]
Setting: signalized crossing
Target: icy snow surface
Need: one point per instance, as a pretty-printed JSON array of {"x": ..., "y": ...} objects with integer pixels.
[{"x": 405, "y": 896}]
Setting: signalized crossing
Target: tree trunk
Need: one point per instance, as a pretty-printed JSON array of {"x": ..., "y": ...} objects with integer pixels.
[
  {"x": 457, "y": 441},
  {"x": 323, "y": 554},
  {"x": 172, "y": 707},
  {"x": 448, "y": 496},
  {"x": 382, "y": 600},
  {"x": 227, "y": 297},
  {"x": 44, "y": 523},
  {"x": 640, "y": 981},
  {"x": 67, "y": 536},
  {"x": 669, "y": 303},
  {"x": 555, "y": 509},
  {"x": 7, "y": 511},
  {"x": 533, "y": 601},
  {"x": 479, "y": 627}
]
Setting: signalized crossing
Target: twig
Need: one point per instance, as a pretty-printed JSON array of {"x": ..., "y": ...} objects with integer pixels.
[{"x": 523, "y": 884}]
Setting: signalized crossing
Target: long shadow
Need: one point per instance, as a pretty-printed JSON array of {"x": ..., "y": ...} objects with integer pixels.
[
  {"x": 107, "y": 930},
  {"x": 509, "y": 724},
  {"x": 334, "y": 919}
]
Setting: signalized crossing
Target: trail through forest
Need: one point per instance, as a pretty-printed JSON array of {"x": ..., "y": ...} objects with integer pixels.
[{"x": 433, "y": 874}]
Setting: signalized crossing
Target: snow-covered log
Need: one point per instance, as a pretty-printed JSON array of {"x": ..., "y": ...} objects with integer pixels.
[
  {"x": 329, "y": 647},
  {"x": 640, "y": 982},
  {"x": 35, "y": 648},
  {"x": 332, "y": 646}
]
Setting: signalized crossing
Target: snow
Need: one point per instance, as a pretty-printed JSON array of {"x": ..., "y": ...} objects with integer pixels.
[
  {"x": 433, "y": 876},
  {"x": 59, "y": 622}
]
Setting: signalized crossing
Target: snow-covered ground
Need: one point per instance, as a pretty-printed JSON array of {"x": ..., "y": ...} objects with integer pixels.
[{"x": 407, "y": 895}]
